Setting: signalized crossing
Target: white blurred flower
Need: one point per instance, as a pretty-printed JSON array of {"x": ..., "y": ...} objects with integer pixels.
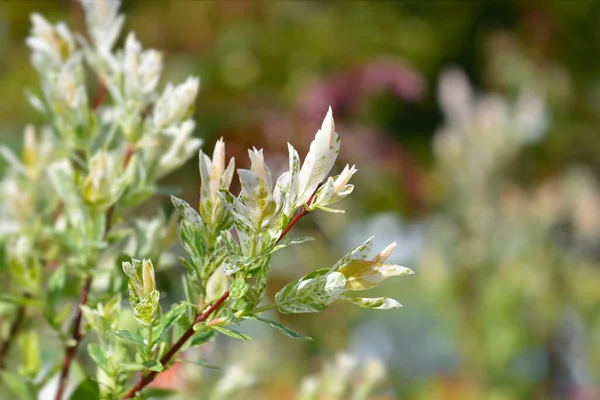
[
  {"x": 141, "y": 70},
  {"x": 104, "y": 22},
  {"x": 175, "y": 103},
  {"x": 182, "y": 146},
  {"x": 482, "y": 133},
  {"x": 105, "y": 182},
  {"x": 66, "y": 94},
  {"x": 309, "y": 388},
  {"x": 235, "y": 379},
  {"x": 51, "y": 45}
]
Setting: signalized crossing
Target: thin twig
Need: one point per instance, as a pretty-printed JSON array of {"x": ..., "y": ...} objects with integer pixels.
[
  {"x": 144, "y": 381},
  {"x": 12, "y": 334},
  {"x": 100, "y": 95},
  {"x": 75, "y": 339},
  {"x": 302, "y": 211},
  {"x": 76, "y": 335}
]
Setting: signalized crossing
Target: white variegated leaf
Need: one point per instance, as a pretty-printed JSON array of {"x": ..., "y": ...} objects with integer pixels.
[
  {"x": 360, "y": 252},
  {"x": 376, "y": 303},
  {"x": 319, "y": 160},
  {"x": 188, "y": 213},
  {"x": 363, "y": 274},
  {"x": 146, "y": 310},
  {"x": 310, "y": 295}
]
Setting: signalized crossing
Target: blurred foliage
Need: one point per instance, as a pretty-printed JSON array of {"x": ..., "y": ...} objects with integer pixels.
[{"x": 524, "y": 325}]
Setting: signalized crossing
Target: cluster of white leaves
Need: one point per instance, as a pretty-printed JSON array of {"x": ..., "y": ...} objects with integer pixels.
[
  {"x": 110, "y": 148},
  {"x": 103, "y": 316},
  {"x": 235, "y": 379},
  {"x": 25, "y": 268},
  {"x": 143, "y": 295},
  {"x": 214, "y": 177},
  {"x": 483, "y": 132},
  {"x": 52, "y": 46},
  {"x": 345, "y": 377},
  {"x": 104, "y": 22},
  {"x": 263, "y": 207},
  {"x": 103, "y": 185},
  {"x": 354, "y": 271}
]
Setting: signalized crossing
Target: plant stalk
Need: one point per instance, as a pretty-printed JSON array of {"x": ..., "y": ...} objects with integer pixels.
[
  {"x": 12, "y": 334},
  {"x": 144, "y": 381},
  {"x": 75, "y": 337}
]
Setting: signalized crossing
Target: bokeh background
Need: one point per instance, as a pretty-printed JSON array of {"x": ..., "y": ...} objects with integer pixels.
[{"x": 474, "y": 127}]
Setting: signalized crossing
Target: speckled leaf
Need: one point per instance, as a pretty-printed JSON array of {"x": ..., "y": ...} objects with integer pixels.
[
  {"x": 360, "y": 252},
  {"x": 376, "y": 303},
  {"x": 362, "y": 274},
  {"x": 145, "y": 311},
  {"x": 188, "y": 213},
  {"x": 230, "y": 332},
  {"x": 310, "y": 295},
  {"x": 238, "y": 288}
]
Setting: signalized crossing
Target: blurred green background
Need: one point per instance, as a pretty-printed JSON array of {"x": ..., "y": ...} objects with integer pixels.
[{"x": 505, "y": 303}]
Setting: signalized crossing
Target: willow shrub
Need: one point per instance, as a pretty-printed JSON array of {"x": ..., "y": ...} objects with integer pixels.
[{"x": 67, "y": 221}]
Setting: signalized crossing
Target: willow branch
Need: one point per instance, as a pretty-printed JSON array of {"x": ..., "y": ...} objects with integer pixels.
[
  {"x": 75, "y": 339},
  {"x": 12, "y": 334},
  {"x": 144, "y": 381},
  {"x": 76, "y": 335},
  {"x": 302, "y": 211}
]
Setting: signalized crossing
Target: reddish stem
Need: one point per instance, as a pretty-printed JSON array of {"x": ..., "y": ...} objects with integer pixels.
[
  {"x": 100, "y": 95},
  {"x": 302, "y": 211},
  {"x": 128, "y": 154},
  {"x": 142, "y": 383},
  {"x": 76, "y": 338},
  {"x": 12, "y": 334}
]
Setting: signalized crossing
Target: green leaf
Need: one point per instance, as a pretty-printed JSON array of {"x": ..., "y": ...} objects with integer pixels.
[
  {"x": 233, "y": 247},
  {"x": 168, "y": 320},
  {"x": 23, "y": 388},
  {"x": 199, "y": 327},
  {"x": 137, "y": 196},
  {"x": 130, "y": 367},
  {"x": 56, "y": 283},
  {"x": 30, "y": 354},
  {"x": 310, "y": 295},
  {"x": 130, "y": 337},
  {"x": 288, "y": 241},
  {"x": 376, "y": 303},
  {"x": 279, "y": 327},
  {"x": 230, "y": 332},
  {"x": 87, "y": 390},
  {"x": 201, "y": 363},
  {"x": 188, "y": 213},
  {"x": 238, "y": 288},
  {"x": 98, "y": 356},
  {"x": 153, "y": 365},
  {"x": 21, "y": 301},
  {"x": 261, "y": 281},
  {"x": 145, "y": 311},
  {"x": 202, "y": 337}
]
